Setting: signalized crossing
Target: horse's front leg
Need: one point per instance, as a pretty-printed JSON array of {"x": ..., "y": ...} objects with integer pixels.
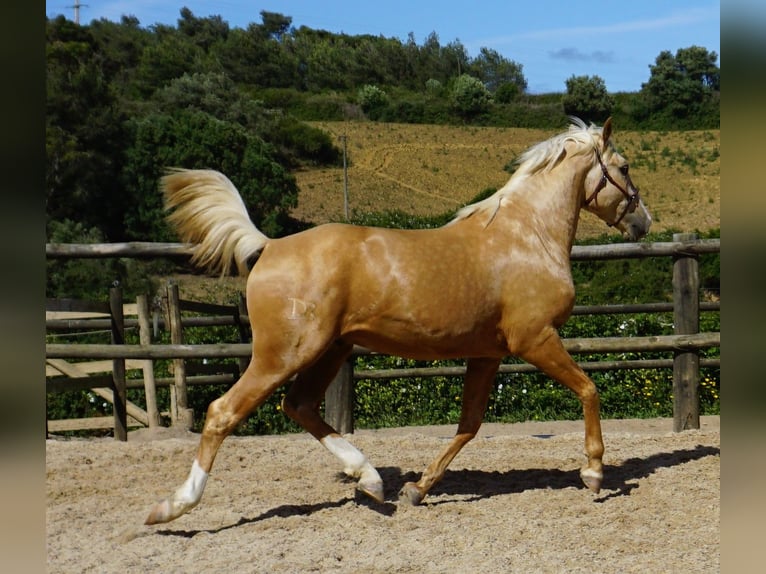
[
  {"x": 551, "y": 358},
  {"x": 479, "y": 377}
]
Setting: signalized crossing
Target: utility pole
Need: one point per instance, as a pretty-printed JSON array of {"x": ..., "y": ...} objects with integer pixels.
[
  {"x": 345, "y": 178},
  {"x": 77, "y": 7}
]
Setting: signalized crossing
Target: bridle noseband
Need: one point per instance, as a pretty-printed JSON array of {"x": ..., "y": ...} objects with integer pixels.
[{"x": 631, "y": 193}]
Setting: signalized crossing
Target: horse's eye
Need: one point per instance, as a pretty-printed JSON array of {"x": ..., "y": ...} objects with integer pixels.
[{"x": 624, "y": 169}]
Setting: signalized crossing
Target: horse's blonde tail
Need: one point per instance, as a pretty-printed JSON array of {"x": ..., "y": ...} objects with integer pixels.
[{"x": 208, "y": 212}]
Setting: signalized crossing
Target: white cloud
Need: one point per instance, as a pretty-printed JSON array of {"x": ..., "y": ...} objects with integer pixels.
[
  {"x": 673, "y": 20},
  {"x": 575, "y": 55}
]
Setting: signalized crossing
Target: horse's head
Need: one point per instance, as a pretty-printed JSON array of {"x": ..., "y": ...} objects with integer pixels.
[{"x": 610, "y": 193}]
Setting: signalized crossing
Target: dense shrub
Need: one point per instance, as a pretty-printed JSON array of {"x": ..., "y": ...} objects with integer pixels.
[
  {"x": 587, "y": 98},
  {"x": 371, "y": 98},
  {"x": 469, "y": 96}
]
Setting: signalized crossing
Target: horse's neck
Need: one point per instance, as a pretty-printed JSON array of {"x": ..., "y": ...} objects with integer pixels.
[{"x": 550, "y": 202}]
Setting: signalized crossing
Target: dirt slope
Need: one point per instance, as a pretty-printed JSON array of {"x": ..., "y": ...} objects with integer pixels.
[{"x": 423, "y": 170}]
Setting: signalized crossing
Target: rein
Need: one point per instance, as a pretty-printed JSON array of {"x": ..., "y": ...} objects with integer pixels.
[{"x": 631, "y": 195}]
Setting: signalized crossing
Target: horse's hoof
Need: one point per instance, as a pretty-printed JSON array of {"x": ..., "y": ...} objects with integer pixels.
[
  {"x": 410, "y": 493},
  {"x": 592, "y": 479},
  {"x": 167, "y": 510},
  {"x": 160, "y": 513},
  {"x": 372, "y": 489}
]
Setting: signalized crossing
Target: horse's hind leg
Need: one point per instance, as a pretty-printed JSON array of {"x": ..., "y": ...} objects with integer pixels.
[
  {"x": 479, "y": 378},
  {"x": 302, "y": 405},
  {"x": 551, "y": 358},
  {"x": 223, "y": 415}
]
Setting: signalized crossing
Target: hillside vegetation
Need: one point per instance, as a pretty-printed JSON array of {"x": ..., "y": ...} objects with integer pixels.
[{"x": 430, "y": 170}]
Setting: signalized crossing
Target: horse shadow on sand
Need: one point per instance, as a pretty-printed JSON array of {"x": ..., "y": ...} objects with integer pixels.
[{"x": 619, "y": 480}]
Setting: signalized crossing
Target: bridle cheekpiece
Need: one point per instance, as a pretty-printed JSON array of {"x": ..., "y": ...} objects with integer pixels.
[{"x": 631, "y": 193}]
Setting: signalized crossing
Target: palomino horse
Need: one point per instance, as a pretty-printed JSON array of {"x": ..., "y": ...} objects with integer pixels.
[{"x": 494, "y": 281}]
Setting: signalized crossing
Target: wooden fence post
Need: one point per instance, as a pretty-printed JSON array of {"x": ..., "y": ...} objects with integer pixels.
[
  {"x": 686, "y": 374},
  {"x": 243, "y": 328},
  {"x": 145, "y": 338},
  {"x": 118, "y": 366},
  {"x": 181, "y": 415},
  {"x": 339, "y": 400},
  {"x": 172, "y": 408}
]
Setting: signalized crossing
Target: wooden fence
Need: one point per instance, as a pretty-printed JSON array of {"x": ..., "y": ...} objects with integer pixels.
[
  {"x": 86, "y": 317},
  {"x": 684, "y": 344}
]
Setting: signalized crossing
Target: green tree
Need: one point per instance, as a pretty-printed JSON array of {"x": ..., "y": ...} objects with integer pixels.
[
  {"x": 469, "y": 96},
  {"x": 216, "y": 94},
  {"x": 275, "y": 25},
  {"x": 213, "y": 93},
  {"x": 371, "y": 98},
  {"x": 119, "y": 47},
  {"x": 262, "y": 54},
  {"x": 84, "y": 134},
  {"x": 454, "y": 59},
  {"x": 433, "y": 87},
  {"x": 325, "y": 60},
  {"x": 496, "y": 71},
  {"x": 587, "y": 98},
  {"x": 681, "y": 87},
  {"x": 203, "y": 32},
  {"x": 428, "y": 61},
  {"x": 196, "y": 140},
  {"x": 169, "y": 55},
  {"x": 507, "y": 92}
]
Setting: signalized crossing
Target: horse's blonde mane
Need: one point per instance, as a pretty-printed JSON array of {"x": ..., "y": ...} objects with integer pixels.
[{"x": 542, "y": 156}]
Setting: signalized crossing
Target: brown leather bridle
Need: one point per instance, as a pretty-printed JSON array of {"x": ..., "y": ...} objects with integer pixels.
[{"x": 631, "y": 193}]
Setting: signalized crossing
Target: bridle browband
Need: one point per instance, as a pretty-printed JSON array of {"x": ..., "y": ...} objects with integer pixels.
[{"x": 631, "y": 193}]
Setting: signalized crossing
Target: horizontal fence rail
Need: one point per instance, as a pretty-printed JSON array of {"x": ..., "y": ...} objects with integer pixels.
[
  {"x": 139, "y": 249},
  {"x": 656, "y": 343},
  {"x": 228, "y": 320}
]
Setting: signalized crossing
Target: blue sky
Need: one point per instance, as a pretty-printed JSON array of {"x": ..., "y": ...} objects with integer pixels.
[{"x": 552, "y": 40}]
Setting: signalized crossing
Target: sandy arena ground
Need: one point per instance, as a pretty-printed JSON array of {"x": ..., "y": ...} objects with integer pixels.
[{"x": 511, "y": 501}]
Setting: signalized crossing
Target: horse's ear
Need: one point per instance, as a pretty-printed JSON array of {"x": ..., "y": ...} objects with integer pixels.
[{"x": 606, "y": 132}]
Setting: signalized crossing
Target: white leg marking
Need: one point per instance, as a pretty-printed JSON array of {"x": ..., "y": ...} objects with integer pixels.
[
  {"x": 589, "y": 473},
  {"x": 353, "y": 460},
  {"x": 183, "y": 499},
  {"x": 191, "y": 490},
  {"x": 356, "y": 464}
]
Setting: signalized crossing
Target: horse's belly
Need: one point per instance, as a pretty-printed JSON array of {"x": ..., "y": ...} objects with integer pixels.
[{"x": 415, "y": 342}]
